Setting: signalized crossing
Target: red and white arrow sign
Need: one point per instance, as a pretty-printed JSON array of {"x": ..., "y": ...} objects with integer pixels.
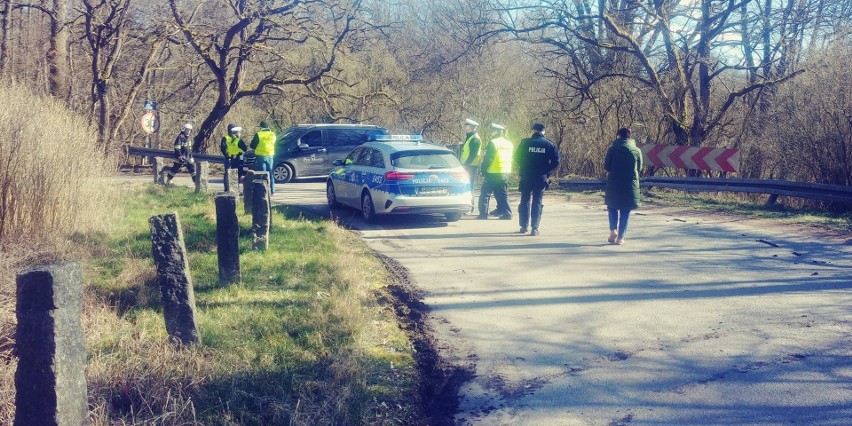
[{"x": 689, "y": 157}]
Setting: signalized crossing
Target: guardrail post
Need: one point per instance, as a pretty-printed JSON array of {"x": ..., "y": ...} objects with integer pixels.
[
  {"x": 261, "y": 211},
  {"x": 227, "y": 238},
  {"x": 170, "y": 256},
  {"x": 202, "y": 176},
  {"x": 248, "y": 196},
  {"x": 50, "y": 381},
  {"x": 232, "y": 180}
]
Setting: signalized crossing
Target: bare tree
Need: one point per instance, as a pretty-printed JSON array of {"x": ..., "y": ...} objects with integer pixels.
[{"x": 253, "y": 49}]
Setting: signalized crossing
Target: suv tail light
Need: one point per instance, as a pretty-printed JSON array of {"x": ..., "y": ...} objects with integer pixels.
[{"x": 398, "y": 176}]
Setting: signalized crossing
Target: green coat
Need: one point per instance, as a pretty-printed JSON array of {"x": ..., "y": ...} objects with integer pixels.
[{"x": 623, "y": 163}]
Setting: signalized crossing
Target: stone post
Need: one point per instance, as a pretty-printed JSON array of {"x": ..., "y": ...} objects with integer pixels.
[
  {"x": 202, "y": 176},
  {"x": 227, "y": 238},
  {"x": 159, "y": 164},
  {"x": 261, "y": 211},
  {"x": 173, "y": 276},
  {"x": 50, "y": 380},
  {"x": 248, "y": 199},
  {"x": 232, "y": 180}
]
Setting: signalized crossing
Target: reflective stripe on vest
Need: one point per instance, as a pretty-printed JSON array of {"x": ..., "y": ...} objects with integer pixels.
[
  {"x": 465, "y": 151},
  {"x": 232, "y": 145},
  {"x": 265, "y": 144},
  {"x": 502, "y": 162}
]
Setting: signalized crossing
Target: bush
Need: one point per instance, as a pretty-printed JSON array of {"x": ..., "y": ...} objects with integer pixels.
[{"x": 49, "y": 176}]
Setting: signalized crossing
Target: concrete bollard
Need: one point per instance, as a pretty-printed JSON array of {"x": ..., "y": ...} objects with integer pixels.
[
  {"x": 227, "y": 238},
  {"x": 50, "y": 380},
  {"x": 232, "y": 180},
  {"x": 261, "y": 211},
  {"x": 202, "y": 176},
  {"x": 159, "y": 164},
  {"x": 170, "y": 256}
]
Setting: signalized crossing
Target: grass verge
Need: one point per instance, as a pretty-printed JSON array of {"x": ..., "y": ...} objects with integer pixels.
[{"x": 307, "y": 338}]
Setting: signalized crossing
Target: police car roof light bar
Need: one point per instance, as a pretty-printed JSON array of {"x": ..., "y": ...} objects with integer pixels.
[{"x": 397, "y": 138}]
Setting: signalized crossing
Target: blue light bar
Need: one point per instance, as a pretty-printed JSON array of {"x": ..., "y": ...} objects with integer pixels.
[{"x": 406, "y": 138}]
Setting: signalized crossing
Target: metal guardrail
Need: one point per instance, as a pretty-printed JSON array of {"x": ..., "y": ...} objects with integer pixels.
[
  {"x": 813, "y": 191},
  {"x": 167, "y": 153}
]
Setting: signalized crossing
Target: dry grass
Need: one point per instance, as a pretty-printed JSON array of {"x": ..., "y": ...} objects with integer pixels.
[{"x": 49, "y": 182}]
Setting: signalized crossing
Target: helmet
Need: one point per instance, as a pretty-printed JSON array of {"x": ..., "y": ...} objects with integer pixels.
[{"x": 187, "y": 126}]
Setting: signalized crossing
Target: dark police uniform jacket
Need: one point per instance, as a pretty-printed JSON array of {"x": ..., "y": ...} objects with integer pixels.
[{"x": 536, "y": 157}]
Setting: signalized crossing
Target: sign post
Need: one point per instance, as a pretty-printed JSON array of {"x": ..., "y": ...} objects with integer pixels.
[{"x": 150, "y": 122}]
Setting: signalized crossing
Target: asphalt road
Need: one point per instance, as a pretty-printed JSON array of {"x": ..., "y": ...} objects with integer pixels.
[{"x": 695, "y": 320}]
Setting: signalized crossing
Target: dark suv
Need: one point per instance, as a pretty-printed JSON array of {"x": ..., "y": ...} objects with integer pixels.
[{"x": 308, "y": 150}]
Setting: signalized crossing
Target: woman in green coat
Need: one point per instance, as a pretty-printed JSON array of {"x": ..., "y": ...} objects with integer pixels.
[{"x": 623, "y": 163}]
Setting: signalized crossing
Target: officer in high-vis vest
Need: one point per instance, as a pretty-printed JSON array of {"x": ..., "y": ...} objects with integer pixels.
[
  {"x": 233, "y": 147},
  {"x": 496, "y": 169},
  {"x": 183, "y": 154},
  {"x": 469, "y": 154},
  {"x": 263, "y": 144}
]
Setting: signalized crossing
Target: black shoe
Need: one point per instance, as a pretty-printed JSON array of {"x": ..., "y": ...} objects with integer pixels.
[
  {"x": 506, "y": 217},
  {"x": 534, "y": 232},
  {"x": 494, "y": 212},
  {"x": 523, "y": 230},
  {"x": 482, "y": 217}
]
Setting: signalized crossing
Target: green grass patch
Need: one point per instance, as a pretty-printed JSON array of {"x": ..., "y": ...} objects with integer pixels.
[{"x": 302, "y": 340}]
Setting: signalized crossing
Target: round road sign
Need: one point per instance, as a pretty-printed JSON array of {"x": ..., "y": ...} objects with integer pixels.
[{"x": 150, "y": 122}]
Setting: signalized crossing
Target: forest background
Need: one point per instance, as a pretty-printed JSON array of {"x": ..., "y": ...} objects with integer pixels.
[{"x": 770, "y": 77}]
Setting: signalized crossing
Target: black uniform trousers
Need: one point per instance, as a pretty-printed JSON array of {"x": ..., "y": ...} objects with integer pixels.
[
  {"x": 190, "y": 167},
  {"x": 531, "y": 188},
  {"x": 497, "y": 183}
]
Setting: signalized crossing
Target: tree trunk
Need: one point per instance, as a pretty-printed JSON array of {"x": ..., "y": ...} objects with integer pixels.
[
  {"x": 57, "y": 53},
  {"x": 4, "y": 34},
  {"x": 205, "y": 131}
]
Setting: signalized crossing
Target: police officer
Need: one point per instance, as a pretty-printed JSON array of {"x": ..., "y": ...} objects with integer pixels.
[
  {"x": 496, "y": 169},
  {"x": 183, "y": 154},
  {"x": 536, "y": 157},
  {"x": 469, "y": 154},
  {"x": 263, "y": 144},
  {"x": 233, "y": 148}
]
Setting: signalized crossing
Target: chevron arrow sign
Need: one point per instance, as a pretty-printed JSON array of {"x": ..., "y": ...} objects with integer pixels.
[{"x": 690, "y": 157}]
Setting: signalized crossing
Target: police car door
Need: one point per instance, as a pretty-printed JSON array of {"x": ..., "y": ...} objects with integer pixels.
[
  {"x": 312, "y": 155},
  {"x": 345, "y": 181}
]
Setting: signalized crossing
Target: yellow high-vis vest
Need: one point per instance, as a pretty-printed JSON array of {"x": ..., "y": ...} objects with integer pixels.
[
  {"x": 265, "y": 144},
  {"x": 232, "y": 145},
  {"x": 502, "y": 162},
  {"x": 465, "y": 151}
]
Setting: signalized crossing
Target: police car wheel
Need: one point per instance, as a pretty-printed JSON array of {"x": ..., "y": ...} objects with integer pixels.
[
  {"x": 331, "y": 196},
  {"x": 367, "y": 210},
  {"x": 452, "y": 217},
  {"x": 282, "y": 173}
]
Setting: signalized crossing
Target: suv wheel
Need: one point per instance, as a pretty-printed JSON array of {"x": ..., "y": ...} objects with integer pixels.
[{"x": 282, "y": 173}]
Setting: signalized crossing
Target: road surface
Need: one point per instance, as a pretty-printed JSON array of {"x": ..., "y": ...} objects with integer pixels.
[{"x": 695, "y": 320}]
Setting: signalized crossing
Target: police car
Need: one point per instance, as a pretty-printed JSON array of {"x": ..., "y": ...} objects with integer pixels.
[{"x": 400, "y": 174}]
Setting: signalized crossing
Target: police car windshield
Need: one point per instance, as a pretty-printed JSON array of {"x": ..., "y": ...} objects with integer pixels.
[{"x": 424, "y": 160}]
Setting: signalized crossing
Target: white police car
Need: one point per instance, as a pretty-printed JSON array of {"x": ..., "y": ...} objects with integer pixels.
[{"x": 400, "y": 174}]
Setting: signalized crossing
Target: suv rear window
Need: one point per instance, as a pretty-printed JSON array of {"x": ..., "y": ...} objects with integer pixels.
[{"x": 424, "y": 160}]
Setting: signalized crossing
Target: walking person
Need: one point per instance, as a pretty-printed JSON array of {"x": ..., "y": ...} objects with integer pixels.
[
  {"x": 183, "y": 155},
  {"x": 263, "y": 144},
  {"x": 496, "y": 169},
  {"x": 469, "y": 154},
  {"x": 536, "y": 158},
  {"x": 623, "y": 163},
  {"x": 233, "y": 148}
]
